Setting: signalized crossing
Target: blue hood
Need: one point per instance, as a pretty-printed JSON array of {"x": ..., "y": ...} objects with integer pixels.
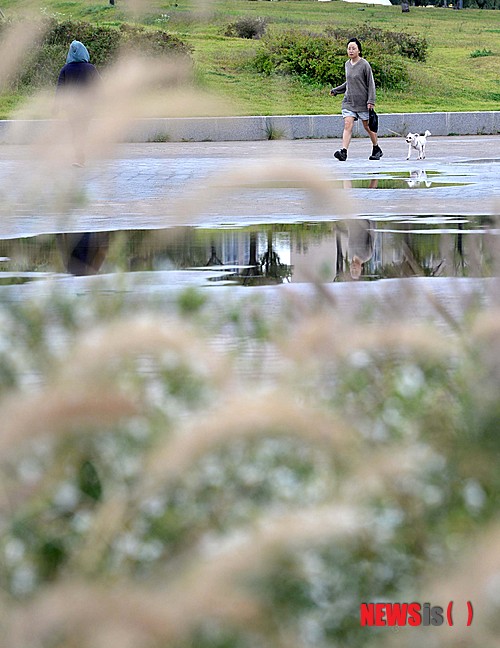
[{"x": 77, "y": 53}]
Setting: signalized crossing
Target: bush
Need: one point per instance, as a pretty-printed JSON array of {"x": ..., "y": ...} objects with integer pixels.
[
  {"x": 390, "y": 72},
  {"x": 480, "y": 52},
  {"x": 315, "y": 57},
  {"x": 152, "y": 42},
  {"x": 321, "y": 59},
  {"x": 103, "y": 42},
  {"x": 412, "y": 46},
  {"x": 247, "y": 27}
]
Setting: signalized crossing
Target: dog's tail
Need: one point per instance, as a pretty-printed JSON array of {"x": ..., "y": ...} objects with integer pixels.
[{"x": 427, "y": 133}]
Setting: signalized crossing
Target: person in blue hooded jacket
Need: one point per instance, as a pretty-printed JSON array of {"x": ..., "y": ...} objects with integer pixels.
[
  {"x": 75, "y": 83},
  {"x": 78, "y": 70}
]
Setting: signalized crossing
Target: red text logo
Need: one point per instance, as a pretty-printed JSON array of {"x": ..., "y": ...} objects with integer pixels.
[{"x": 411, "y": 614}]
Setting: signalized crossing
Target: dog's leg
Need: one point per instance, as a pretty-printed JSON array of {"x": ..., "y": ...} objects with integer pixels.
[{"x": 409, "y": 151}]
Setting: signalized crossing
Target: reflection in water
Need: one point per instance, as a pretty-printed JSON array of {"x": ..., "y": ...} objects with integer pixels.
[
  {"x": 418, "y": 177},
  {"x": 356, "y": 247},
  {"x": 265, "y": 267},
  {"x": 341, "y": 256},
  {"x": 340, "y": 250},
  {"x": 360, "y": 245},
  {"x": 83, "y": 253},
  {"x": 214, "y": 259},
  {"x": 367, "y": 184}
]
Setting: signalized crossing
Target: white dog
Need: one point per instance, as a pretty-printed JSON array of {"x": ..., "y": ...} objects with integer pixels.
[{"x": 418, "y": 142}]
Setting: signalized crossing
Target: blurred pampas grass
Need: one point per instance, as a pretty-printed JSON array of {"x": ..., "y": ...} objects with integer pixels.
[
  {"x": 178, "y": 541},
  {"x": 243, "y": 416},
  {"x": 16, "y": 41},
  {"x": 339, "y": 339},
  {"x": 154, "y": 494},
  {"x": 97, "y": 350},
  {"x": 56, "y": 410},
  {"x": 209, "y": 586}
]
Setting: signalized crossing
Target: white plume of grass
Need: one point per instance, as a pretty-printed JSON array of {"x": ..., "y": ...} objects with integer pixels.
[
  {"x": 83, "y": 392},
  {"x": 97, "y": 351},
  {"x": 57, "y": 409},
  {"x": 324, "y": 196},
  {"x": 211, "y": 587},
  {"x": 246, "y": 416},
  {"x": 472, "y": 578},
  {"x": 17, "y": 42},
  {"x": 328, "y": 335}
]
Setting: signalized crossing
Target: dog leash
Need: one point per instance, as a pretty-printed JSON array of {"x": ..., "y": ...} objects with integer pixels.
[{"x": 391, "y": 131}]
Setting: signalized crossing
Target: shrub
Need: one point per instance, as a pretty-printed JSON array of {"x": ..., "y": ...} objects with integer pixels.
[
  {"x": 247, "y": 27},
  {"x": 315, "y": 57},
  {"x": 480, "y": 52},
  {"x": 412, "y": 46},
  {"x": 103, "y": 42},
  {"x": 152, "y": 42},
  {"x": 321, "y": 59},
  {"x": 389, "y": 71}
]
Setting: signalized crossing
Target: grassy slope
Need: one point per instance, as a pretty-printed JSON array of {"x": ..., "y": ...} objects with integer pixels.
[{"x": 449, "y": 80}]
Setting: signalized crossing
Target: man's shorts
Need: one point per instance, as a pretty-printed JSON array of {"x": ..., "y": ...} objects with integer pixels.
[{"x": 357, "y": 115}]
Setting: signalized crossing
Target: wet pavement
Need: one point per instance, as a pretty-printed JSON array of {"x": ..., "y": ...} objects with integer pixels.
[
  {"x": 239, "y": 183},
  {"x": 262, "y": 190}
]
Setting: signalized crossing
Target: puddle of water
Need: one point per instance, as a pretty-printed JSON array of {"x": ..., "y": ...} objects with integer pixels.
[
  {"x": 480, "y": 161},
  {"x": 416, "y": 179},
  {"x": 452, "y": 246},
  {"x": 416, "y": 182},
  {"x": 405, "y": 174}
]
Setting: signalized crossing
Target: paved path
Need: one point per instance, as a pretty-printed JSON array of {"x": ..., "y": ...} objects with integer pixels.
[
  {"x": 214, "y": 184},
  {"x": 231, "y": 183}
]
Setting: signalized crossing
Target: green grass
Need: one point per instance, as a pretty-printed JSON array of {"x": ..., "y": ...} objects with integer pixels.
[{"x": 448, "y": 81}]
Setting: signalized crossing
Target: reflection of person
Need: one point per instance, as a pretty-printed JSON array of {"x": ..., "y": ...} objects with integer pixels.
[
  {"x": 361, "y": 240},
  {"x": 359, "y": 97},
  {"x": 355, "y": 246},
  {"x": 76, "y": 78},
  {"x": 372, "y": 184},
  {"x": 83, "y": 253}
]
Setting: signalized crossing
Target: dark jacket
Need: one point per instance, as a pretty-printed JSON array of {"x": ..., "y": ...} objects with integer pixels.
[
  {"x": 73, "y": 74},
  {"x": 78, "y": 70}
]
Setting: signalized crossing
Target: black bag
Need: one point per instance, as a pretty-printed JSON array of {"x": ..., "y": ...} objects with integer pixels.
[{"x": 372, "y": 120}]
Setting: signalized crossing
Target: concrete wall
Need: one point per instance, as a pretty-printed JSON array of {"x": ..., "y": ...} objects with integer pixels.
[{"x": 218, "y": 129}]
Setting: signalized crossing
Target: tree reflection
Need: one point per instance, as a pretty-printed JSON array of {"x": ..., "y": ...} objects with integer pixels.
[
  {"x": 214, "y": 259},
  {"x": 338, "y": 250},
  {"x": 419, "y": 256},
  {"x": 268, "y": 267}
]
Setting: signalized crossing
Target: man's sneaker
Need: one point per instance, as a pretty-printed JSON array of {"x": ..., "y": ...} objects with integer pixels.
[
  {"x": 376, "y": 153},
  {"x": 341, "y": 155}
]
